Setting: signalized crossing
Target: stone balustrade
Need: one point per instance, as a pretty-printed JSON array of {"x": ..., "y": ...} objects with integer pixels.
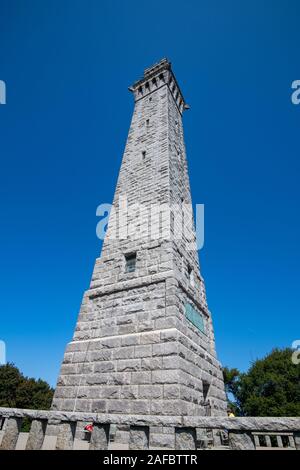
[{"x": 150, "y": 432}]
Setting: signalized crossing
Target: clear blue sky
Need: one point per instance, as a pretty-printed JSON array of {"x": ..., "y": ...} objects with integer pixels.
[{"x": 67, "y": 65}]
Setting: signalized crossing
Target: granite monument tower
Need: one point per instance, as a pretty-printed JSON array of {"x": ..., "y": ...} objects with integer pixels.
[{"x": 144, "y": 340}]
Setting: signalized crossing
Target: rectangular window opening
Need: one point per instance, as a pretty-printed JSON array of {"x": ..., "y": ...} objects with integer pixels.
[
  {"x": 205, "y": 386},
  {"x": 130, "y": 262},
  {"x": 191, "y": 276}
]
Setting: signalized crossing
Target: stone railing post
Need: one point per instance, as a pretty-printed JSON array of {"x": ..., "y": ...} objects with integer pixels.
[
  {"x": 239, "y": 440},
  {"x": 291, "y": 442},
  {"x": 268, "y": 440},
  {"x": 65, "y": 437},
  {"x": 201, "y": 438},
  {"x": 185, "y": 438},
  {"x": 297, "y": 440},
  {"x": 279, "y": 441},
  {"x": 2, "y": 421},
  {"x": 11, "y": 433},
  {"x": 139, "y": 437},
  {"x": 100, "y": 437},
  {"x": 36, "y": 434},
  {"x": 256, "y": 440}
]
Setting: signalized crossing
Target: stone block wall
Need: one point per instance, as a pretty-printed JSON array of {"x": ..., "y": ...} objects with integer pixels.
[{"x": 134, "y": 351}]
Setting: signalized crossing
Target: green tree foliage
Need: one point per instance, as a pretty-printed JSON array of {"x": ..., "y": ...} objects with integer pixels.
[
  {"x": 271, "y": 387},
  {"x": 231, "y": 377},
  {"x": 18, "y": 391},
  {"x": 231, "y": 380}
]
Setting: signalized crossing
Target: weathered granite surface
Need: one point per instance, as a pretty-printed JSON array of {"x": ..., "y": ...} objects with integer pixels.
[
  {"x": 66, "y": 434},
  {"x": 147, "y": 431},
  {"x": 185, "y": 438},
  {"x": 241, "y": 441},
  {"x": 99, "y": 437},
  {"x": 267, "y": 424},
  {"x": 11, "y": 434},
  {"x": 36, "y": 434},
  {"x": 134, "y": 351},
  {"x": 139, "y": 437}
]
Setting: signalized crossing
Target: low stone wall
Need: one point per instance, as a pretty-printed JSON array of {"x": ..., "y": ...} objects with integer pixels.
[{"x": 151, "y": 432}]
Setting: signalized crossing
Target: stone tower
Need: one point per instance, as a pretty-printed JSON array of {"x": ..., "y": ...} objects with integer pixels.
[{"x": 144, "y": 341}]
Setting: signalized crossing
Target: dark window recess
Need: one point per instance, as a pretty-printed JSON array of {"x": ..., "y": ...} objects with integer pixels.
[
  {"x": 191, "y": 276},
  {"x": 205, "y": 386},
  {"x": 130, "y": 262}
]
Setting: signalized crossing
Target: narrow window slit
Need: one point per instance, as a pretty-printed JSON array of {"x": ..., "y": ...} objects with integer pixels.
[{"x": 130, "y": 260}]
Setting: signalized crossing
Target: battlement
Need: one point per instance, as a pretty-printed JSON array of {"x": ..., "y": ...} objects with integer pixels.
[
  {"x": 155, "y": 77},
  {"x": 163, "y": 64}
]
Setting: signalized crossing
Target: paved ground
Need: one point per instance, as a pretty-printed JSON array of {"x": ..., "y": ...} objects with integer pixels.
[{"x": 50, "y": 441}]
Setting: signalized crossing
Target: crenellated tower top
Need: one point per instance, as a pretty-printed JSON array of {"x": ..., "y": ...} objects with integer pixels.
[{"x": 158, "y": 76}]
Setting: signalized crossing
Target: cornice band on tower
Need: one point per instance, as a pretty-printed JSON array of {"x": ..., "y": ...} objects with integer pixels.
[{"x": 155, "y": 77}]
